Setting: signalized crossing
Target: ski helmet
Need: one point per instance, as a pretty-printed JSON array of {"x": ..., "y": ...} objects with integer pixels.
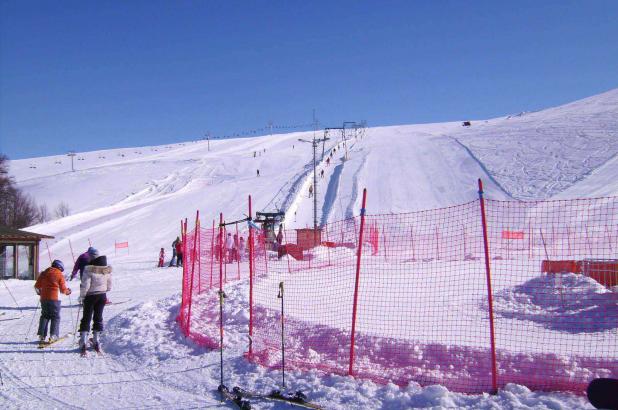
[
  {"x": 93, "y": 252},
  {"x": 58, "y": 265}
]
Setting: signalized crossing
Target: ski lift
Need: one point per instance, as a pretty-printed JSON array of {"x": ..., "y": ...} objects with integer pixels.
[{"x": 269, "y": 220}]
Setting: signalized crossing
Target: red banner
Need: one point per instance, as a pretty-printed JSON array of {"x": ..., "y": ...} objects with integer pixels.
[
  {"x": 512, "y": 235},
  {"x": 120, "y": 245}
]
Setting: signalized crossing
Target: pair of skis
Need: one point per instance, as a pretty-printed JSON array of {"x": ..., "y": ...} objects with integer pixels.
[
  {"x": 96, "y": 347},
  {"x": 296, "y": 399},
  {"x": 240, "y": 397},
  {"x": 44, "y": 344}
]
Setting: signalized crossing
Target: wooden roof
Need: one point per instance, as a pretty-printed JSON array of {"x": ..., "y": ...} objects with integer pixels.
[{"x": 12, "y": 234}]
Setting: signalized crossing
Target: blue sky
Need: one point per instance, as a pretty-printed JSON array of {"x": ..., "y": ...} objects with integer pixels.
[{"x": 84, "y": 75}]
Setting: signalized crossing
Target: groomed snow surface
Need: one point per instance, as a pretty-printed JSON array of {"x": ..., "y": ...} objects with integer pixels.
[
  {"x": 149, "y": 364},
  {"x": 139, "y": 195}
]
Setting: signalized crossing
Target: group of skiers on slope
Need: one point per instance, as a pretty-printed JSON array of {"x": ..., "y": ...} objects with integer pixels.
[
  {"x": 234, "y": 248},
  {"x": 96, "y": 281},
  {"x": 322, "y": 171},
  {"x": 177, "y": 254}
]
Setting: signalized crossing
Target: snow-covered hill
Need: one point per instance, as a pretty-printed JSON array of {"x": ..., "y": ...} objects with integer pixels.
[
  {"x": 564, "y": 151},
  {"x": 139, "y": 195},
  {"x": 539, "y": 155}
]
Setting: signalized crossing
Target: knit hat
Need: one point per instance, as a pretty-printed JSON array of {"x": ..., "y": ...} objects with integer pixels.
[
  {"x": 93, "y": 252},
  {"x": 99, "y": 261}
]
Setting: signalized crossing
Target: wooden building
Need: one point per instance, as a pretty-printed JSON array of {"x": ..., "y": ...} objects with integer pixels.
[{"x": 19, "y": 253}]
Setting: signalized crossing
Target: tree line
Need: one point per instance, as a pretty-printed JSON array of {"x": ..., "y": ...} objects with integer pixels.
[{"x": 18, "y": 209}]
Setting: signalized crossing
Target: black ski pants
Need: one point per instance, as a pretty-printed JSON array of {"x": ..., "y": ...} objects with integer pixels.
[{"x": 93, "y": 306}]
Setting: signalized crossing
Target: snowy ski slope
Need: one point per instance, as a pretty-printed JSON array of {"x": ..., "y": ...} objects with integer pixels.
[{"x": 140, "y": 194}]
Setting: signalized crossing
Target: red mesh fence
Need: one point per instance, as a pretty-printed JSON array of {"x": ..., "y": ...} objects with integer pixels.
[
  {"x": 421, "y": 289},
  {"x": 199, "y": 311},
  {"x": 553, "y": 263}
]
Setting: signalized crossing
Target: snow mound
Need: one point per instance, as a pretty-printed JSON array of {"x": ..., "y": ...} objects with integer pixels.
[
  {"x": 567, "y": 302},
  {"x": 148, "y": 333}
]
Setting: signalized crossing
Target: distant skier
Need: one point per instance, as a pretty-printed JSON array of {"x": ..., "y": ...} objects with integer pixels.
[
  {"x": 328, "y": 161},
  {"x": 258, "y": 172},
  {"x": 241, "y": 248},
  {"x": 179, "y": 253},
  {"x": 235, "y": 249},
  {"x": 279, "y": 237},
  {"x": 161, "y": 258},
  {"x": 50, "y": 281},
  {"x": 173, "y": 260},
  {"x": 96, "y": 282},
  {"x": 83, "y": 260},
  {"x": 218, "y": 247},
  {"x": 229, "y": 247},
  {"x": 310, "y": 191},
  {"x": 322, "y": 174}
]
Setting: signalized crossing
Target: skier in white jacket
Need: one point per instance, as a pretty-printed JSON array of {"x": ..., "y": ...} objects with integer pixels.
[
  {"x": 96, "y": 282},
  {"x": 229, "y": 248}
]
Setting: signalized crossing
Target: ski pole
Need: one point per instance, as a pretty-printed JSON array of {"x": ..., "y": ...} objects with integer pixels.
[
  {"x": 77, "y": 320},
  {"x": 74, "y": 320},
  {"x": 31, "y": 321},
  {"x": 13, "y": 297},
  {"x": 280, "y": 296}
]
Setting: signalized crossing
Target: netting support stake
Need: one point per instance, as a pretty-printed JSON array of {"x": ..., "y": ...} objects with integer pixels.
[
  {"x": 212, "y": 250},
  {"x": 494, "y": 379},
  {"x": 250, "y": 240},
  {"x": 280, "y": 296},
  {"x": 184, "y": 244},
  {"x": 184, "y": 297},
  {"x": 221, "y": 294},
  {"x": 198, "y": 254},
  {"x": 356, "y": 282}
]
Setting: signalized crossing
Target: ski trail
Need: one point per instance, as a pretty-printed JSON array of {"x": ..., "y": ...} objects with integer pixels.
[
  {"x": 483, "y": 167},
  {"x": 354, "y": 197},
  {"x": 331, "y": 193}
]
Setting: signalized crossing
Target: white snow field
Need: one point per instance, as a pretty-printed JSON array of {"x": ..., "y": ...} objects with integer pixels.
[{"x": 140, "y": 195}]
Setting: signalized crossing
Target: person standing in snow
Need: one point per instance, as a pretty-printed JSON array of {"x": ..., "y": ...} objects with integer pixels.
[
  {"x": 258, "y": 172},
  {"x": 279, "y": 237},
  {"x": 235, "y": 249},
  {"x": 218, "y": 247},
  {"x": 50, "y": 281},
  {"x": 179, "y": 253},
  {"x": 173, "y": 261},
  {"x": 82, "y": 261},
  {"x": 96, "y": 282},
  {"x": 229, "y": 247},
  {"x": 241, "y": 248},
  {"x": 161, "y": 258},
  {"x": 310, "y": 191}
]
